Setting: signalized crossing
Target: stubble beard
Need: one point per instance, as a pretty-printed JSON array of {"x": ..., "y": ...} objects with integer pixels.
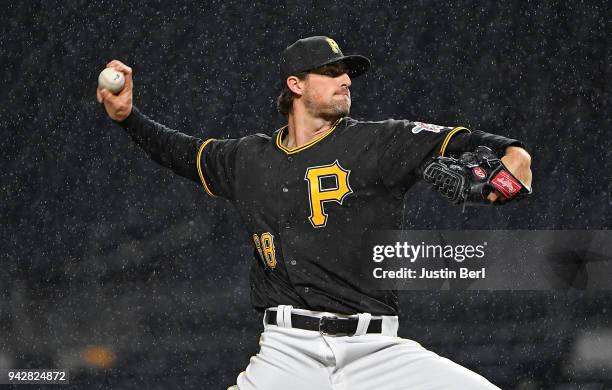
[{"x": 331, "y": 111}]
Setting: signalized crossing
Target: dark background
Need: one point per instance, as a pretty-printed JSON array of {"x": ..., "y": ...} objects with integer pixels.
[{"x": 102, "y": 247}]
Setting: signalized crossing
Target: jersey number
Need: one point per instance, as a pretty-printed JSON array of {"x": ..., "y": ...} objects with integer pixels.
[
  {"x": 319, "y": 196},
  {"x": 265, "y": 247}
]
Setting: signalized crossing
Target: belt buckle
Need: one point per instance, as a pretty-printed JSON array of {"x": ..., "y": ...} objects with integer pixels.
[{"x": 322, "y": 329}]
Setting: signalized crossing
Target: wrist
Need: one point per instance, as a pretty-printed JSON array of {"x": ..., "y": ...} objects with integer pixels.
[
  {"x": 122, "y": 115},
  {"x": 126, "y": 120},
  {"x": 516, "y": 152}
]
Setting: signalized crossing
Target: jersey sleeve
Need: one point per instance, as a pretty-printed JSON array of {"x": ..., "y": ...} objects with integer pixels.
[
  {"x": 468, "y": 141},
  {"x": 169, "y": 148},
  {"x": 209, "y": 162},
  {"x": 403, "y": 146},
  {"x": 216, "y": 165}
]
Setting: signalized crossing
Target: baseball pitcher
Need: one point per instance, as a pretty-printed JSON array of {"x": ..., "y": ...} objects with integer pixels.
[{"x": 306, "y": 194}]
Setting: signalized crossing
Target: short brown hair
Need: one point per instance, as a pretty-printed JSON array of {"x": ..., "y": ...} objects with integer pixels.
[{"x": 284, "y": 102}]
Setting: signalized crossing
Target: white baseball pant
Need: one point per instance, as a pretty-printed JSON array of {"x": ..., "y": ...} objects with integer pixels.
[{"x": 298, "y": 359}]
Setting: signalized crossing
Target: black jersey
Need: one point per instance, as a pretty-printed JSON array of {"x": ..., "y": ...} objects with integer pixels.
[{"x": 306, "y": 209}]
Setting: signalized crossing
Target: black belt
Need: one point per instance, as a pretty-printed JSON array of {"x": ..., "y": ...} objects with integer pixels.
[{"x": 326, "y": 325}]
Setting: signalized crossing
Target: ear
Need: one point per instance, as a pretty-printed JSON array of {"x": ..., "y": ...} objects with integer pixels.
[{"x": 295, "y": 85}]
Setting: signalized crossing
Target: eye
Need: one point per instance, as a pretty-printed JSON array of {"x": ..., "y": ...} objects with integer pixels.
[
  {"x": 333, "y": 70},
  {"x": 340, "y": 70}
]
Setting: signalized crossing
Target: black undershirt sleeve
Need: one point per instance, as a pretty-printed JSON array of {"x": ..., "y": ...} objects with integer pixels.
[
  {"x": 170, "y": 148},
  {"x": 467, "y": 142}
]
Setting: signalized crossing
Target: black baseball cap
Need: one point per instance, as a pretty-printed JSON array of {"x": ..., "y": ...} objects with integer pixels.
[{"x": 313, "y": 52}]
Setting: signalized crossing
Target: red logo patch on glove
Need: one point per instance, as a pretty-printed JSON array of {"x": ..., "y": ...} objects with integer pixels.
[
  {"x": 479, "y": 172},
  {"x": 505, "y": 183}
]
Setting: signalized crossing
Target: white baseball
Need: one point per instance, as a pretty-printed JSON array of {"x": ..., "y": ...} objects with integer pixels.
[{"x": 112, "y": 80}]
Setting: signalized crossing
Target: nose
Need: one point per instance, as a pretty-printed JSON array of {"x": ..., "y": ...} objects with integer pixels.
[{"x": 345, "y": 80}]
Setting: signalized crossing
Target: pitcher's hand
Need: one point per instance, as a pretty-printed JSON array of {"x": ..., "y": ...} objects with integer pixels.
[{"x": 118, "y": 107}]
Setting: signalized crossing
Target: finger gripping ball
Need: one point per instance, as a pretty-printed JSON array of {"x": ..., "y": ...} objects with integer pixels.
[{"x": 112, "y": 80}]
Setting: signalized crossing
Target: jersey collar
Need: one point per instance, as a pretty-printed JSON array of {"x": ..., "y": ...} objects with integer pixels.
[{"x": 279, "y": 139}]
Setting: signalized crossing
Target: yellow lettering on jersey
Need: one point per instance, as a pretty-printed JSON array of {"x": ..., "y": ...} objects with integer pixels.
[
  {"x": 334, "y": 46},
  {"x": 258, "y": 246},
  {"x": 319, "y": 196},
  {"x": 267, "y": 246}
]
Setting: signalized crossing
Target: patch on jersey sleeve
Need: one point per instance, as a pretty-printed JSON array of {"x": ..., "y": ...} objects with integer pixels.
[{"x": 420, "y": 126}]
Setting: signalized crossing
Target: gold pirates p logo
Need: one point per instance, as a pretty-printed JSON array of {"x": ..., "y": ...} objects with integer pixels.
[
  {"x": 318, "y": 195},
  {"x": 334, "y": 46}
]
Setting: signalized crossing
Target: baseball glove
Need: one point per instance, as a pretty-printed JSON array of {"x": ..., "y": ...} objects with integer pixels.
[{"x": 472, "y": 177}]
